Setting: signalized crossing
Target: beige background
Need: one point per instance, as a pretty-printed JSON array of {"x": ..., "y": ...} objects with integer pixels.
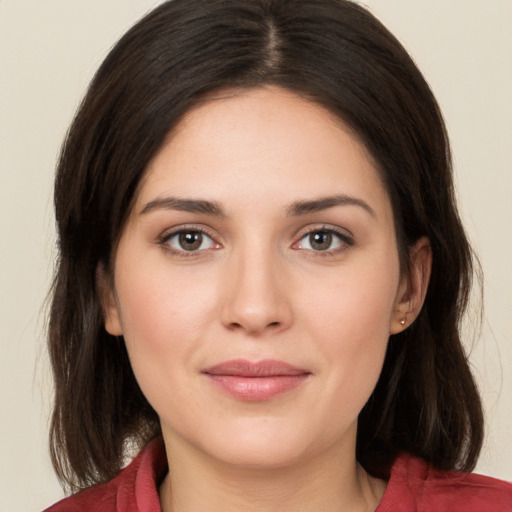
[{"x": 48, "y": 52}]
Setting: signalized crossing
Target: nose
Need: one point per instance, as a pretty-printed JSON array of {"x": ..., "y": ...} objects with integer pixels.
[{"x": 257, "y": 294}]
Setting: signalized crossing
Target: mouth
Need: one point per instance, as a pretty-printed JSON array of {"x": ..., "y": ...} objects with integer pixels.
[{"x": 255, "y": 381}]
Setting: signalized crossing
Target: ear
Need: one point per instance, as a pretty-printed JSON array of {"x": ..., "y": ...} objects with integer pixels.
[
  {"x": 413, "y": 286},
  {"x": 108, "y": 302}
]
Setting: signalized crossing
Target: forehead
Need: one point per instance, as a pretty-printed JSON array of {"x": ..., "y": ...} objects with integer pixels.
[{"x": 265, "y": 141}]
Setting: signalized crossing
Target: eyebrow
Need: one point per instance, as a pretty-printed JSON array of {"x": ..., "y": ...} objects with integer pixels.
[
  {"x": 297, "y": 208},
  {"x": 184, "y": 205},
  {"x": 323, "y": 203}
]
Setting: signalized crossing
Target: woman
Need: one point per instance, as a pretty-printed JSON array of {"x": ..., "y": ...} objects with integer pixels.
[{"x": 262, "y": 272}]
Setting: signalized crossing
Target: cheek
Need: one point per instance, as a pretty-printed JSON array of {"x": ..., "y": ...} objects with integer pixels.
[
  {"x": 156, "y": 302},
  {"x": 163, "y": 316},
  {"x": 354, "y": 303},
  {"x": 350, "y": 319}
]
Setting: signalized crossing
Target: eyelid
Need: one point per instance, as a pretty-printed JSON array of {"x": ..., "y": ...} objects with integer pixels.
[
  {"x": 169, "y": 233},
  {"x": 346, "y": 237},
  {"x": 343, "y": 234}
]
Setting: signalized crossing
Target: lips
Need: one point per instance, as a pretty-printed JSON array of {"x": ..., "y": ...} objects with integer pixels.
[{"x": 255, "y": 381}]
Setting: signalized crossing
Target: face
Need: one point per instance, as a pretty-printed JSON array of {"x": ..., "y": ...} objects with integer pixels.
[{"x": 257, "y": 281}]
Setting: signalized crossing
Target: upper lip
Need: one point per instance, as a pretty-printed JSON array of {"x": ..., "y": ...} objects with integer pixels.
[{"x": 245, "y": 368}]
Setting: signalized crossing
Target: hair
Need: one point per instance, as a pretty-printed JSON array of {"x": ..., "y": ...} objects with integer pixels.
[{"x": 332, "y": 52}]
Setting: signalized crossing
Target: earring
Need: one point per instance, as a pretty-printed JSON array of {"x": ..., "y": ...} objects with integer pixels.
[{"x": 402, "y": 322}]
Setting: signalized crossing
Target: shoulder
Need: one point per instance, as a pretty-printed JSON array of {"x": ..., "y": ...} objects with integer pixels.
[
  {"x": 135, "y": 486},
  {"x": 415, "y": 485}
]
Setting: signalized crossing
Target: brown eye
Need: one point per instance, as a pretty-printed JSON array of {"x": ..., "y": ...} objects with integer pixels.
[
  {"x": 190, "y": 241},
  {"x": 320, "y": 241},
  {"x": 324, "y": 240}
]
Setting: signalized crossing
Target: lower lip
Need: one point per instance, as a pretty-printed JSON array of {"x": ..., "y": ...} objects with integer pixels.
[{"x": 255, "y": 389}]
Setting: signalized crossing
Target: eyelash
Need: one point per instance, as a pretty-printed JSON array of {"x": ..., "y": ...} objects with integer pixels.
[
  {"x": 346, "y": 241},
  {"x": 166, "y": 237}
]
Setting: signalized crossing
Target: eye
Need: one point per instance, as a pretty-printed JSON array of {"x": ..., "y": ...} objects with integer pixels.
[
  {"x": 189, "y": 240},
  {"x": 323, "y": 240}
]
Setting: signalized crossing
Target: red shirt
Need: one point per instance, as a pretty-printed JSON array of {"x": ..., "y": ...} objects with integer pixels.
[{"x": 414, "y": 486}]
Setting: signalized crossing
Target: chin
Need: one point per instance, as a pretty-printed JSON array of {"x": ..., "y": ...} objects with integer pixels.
[
  {"x": 258, "y": 454},
  {"x": 267, "y": 443}
]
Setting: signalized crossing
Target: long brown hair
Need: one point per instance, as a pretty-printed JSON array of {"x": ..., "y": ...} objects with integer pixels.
[{"x": 337, "y": 54}]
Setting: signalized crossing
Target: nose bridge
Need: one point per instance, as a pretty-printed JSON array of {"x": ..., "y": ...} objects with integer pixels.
[{"x": 255, "y": 298}]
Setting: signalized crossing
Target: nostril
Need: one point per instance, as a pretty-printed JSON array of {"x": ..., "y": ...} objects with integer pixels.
[{"x": 252, "y": 328}]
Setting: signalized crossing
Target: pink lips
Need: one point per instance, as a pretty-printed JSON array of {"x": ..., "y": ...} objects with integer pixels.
[{"x": 259, "y": 381}]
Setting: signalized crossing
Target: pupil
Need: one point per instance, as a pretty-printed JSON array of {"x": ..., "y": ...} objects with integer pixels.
[
  {"x": 191, "y": 241},
  {"x": 321, "y": 240}
]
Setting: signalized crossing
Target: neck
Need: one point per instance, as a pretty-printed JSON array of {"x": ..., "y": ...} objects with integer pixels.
[{"x": 330, "y": 481}]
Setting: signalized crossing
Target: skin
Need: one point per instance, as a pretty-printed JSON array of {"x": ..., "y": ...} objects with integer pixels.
[{"x": 258, "y": 289}]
